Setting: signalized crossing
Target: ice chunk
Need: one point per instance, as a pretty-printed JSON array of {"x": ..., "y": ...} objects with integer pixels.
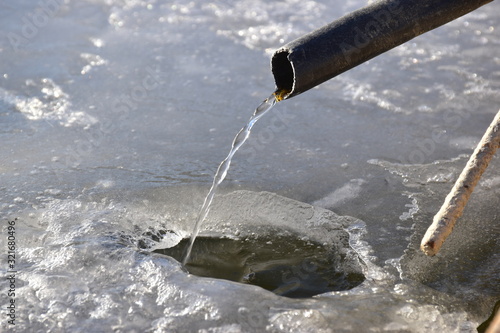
[{"x": 348, "y": 191}]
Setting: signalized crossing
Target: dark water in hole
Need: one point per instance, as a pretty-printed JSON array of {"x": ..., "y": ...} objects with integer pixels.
[{"x": 287, "y": 266}]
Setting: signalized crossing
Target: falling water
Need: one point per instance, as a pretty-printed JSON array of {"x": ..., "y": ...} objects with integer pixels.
[{"x": 223, "y": 168}]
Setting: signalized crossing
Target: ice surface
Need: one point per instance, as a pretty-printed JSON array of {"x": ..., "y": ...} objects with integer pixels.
[
  {"x": 115, "y": 114},
  {"x": 86, "y": 266}
]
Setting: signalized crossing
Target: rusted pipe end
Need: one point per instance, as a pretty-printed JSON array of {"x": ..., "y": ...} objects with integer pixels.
[{"x": 283, "y": 72}]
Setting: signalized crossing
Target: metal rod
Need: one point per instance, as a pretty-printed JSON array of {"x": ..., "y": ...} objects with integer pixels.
[{"x": 359, "y": 36}]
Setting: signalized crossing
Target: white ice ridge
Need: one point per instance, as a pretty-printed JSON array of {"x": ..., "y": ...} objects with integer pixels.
[{"x": 53, "y": 105}]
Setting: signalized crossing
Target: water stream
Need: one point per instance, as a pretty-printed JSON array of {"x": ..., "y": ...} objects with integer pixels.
[{"x": 223, "y": 168}]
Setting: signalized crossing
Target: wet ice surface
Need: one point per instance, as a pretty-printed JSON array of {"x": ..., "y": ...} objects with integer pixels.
[{"x": 116, "y": 114}]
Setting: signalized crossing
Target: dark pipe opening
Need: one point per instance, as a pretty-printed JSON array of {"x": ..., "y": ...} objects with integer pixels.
[{"x": 282, "y": 70}]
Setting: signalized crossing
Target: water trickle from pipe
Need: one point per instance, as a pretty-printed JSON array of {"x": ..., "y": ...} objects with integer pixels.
[{"x": 223, "y": 168}]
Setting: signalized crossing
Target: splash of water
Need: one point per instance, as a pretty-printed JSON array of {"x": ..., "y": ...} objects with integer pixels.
[{"x": 223, "y": 168}]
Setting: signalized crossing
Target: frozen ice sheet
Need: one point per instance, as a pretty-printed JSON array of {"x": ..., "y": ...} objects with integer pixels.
[{"x": 115, "y": 114}]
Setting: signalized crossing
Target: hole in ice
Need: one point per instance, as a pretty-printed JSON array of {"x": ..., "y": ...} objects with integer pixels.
[{"x": 286, "y": 265}]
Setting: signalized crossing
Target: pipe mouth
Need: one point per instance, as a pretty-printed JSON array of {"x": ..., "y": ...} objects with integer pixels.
[{"x": 283, "y": 72}]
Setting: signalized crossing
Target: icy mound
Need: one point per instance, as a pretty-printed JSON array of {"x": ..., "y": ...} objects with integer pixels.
[
  {"x": 286, "y": 246},
  {"x": 246, "y": 213}
]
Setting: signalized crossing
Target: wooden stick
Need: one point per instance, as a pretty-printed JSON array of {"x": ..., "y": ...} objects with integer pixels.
[
  {"x": 494, "y": 326},
  {"x": 454, "y": 204}
]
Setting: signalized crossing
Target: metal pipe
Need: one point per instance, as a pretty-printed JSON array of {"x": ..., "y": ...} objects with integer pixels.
[{"x": 357, "y": 37}]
